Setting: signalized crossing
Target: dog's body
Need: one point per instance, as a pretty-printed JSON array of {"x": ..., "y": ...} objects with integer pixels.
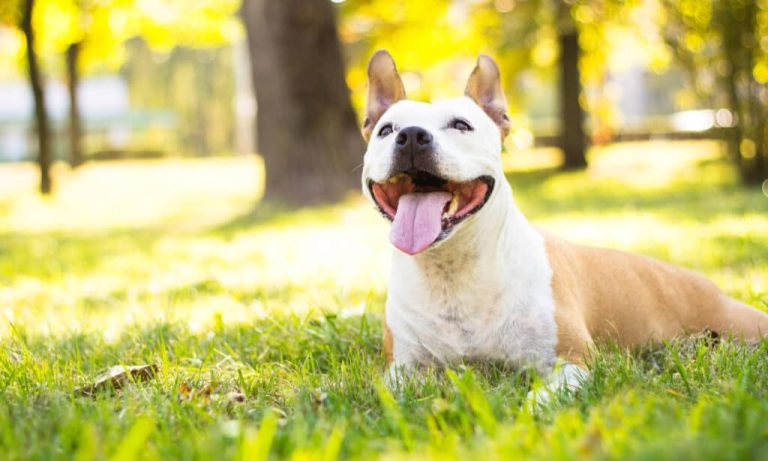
[{"x": 473, "y": 280}]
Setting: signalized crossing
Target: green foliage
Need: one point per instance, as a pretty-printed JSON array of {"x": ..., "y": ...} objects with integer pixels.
[
  {"x": 11, "y": 58},
  {"x": 437, "y": 43},
  {"x": 103, "y": 26},
  {"x": 189, "y": 279},
  {"x": 196, "y": 84},
  {"x": 10, "y": 13},
  {"x": 722, "y": 44}
]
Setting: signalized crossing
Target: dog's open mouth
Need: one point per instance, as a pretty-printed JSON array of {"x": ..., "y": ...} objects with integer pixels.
[{"x": 424, "y": 208}]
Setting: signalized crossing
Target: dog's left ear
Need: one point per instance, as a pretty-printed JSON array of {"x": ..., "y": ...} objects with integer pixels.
[
  {"x": 484, "y": 87},
  {"x": 384, "y": 89}
]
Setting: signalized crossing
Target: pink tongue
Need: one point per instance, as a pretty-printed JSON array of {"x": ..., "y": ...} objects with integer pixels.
[{"x": 417, "y": 221}]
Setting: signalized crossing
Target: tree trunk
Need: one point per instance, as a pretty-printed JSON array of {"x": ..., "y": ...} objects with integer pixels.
[
  {"x": 572, "y": 136},
  {"x": 747, "y": 140},
  {"x": 75, "y": 120},
  {"x": 306, "y": 128},
  {"x": 41, "y": 113}
]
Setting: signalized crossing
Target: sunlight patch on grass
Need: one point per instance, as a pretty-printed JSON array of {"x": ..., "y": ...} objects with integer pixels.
[
  {"x": 129, "y": 193},
  {"x": 653, "y": 163}
]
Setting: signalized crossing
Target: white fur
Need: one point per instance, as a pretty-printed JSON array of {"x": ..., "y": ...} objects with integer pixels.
[
  {"x": 483, "y": 293},
  {"x": 463, "y": 156},
  {"x": 565, "y": 377}
]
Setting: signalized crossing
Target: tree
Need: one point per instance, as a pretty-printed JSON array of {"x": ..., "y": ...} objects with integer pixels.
[
  {"x": 76, "y": 157},
  {"x": 41, "y": 113},
  {"x": 20, "y": 14},
  {"x": 721, "y": 44},
  {"x": 94, "y": 41},
  {"x": 307, "y": 130},
  {"x": 90, "y": 35},
  {"x": 573, "y": 140}
]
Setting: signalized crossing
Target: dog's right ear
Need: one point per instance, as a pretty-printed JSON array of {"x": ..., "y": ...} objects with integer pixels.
[{"x": 384, "y": 89}]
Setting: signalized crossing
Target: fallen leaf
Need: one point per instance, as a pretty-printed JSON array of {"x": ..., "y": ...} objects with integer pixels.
[
  {"x": 117, "y": 377},
  {"x": 186, "y": 392}
]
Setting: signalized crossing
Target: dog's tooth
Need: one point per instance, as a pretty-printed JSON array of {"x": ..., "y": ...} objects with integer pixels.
[
  {"x": 396, "y": 178},
  {"x": 454, "y": 206}
]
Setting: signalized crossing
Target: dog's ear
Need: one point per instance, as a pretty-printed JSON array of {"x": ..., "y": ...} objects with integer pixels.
[
  {"x": 384, "y": 89},
  {"x": 484, "y": 87}
]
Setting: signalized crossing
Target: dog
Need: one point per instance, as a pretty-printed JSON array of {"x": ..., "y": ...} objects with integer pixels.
[{"x": 472, "y": 280}]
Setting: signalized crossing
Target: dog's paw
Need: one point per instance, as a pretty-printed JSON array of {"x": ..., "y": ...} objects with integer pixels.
[
  {"x": 398, "y": 377},
  {"x": 537, "y": 399},
  {"x": 395, "y": 377},
  {"x": 566, "y": 378}
]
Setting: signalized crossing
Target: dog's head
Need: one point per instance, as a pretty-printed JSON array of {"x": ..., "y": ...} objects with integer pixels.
[{"x": 430, "y": 167}]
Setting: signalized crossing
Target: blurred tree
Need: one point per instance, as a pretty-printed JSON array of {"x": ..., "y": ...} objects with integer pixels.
[
  {"x": 38, "y": 93},
  {"x": 20, "y": 14},
  {"x": 90, "y": 34},
  {"x": 307, "y": 130},
  {"x": 183, "y": 61},
  {"x": 573, "y": 140},
  {"x": 724, "y": 46},
  {"x": 196, "y": 84},
  {"x": 75, "y": 119}
]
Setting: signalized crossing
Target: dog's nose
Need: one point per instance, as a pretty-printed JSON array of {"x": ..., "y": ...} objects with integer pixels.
[{"x": 413, "y": 137}]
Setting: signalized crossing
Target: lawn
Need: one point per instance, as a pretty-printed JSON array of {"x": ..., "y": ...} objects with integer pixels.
[{"x": 263, "y": 325}]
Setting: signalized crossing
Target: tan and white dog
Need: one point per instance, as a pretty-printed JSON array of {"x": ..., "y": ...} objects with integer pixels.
[{"x": 472, "y": 280}]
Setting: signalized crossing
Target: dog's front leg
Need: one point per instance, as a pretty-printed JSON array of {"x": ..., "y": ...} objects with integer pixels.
[{"x": 409, "y": 362}]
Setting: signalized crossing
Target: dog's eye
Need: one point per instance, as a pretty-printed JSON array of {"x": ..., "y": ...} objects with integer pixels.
[
  {"x": 386, "y": 130},
  {"x": 461, "y": 125}
]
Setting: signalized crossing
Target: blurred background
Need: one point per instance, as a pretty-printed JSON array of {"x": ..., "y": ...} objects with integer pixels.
[
  {"x": 180, "y": 186},
  {"x": 98, "y": 80}
]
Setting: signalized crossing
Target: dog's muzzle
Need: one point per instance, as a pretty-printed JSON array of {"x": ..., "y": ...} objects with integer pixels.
[{"x": 424, "y": 208}]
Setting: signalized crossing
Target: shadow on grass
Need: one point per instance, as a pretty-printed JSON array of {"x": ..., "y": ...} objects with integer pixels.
[
  {"x": 549, "y": 193},
  {"x": 54, "y": 254}
]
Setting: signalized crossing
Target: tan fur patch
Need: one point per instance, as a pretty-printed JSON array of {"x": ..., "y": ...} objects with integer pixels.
[
  {"x": 609, "y": 295},
  {"x": 388, "y": 357}
]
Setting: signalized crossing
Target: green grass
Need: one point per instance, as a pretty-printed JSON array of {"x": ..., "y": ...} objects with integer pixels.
[{"x": 286, "y": 308}]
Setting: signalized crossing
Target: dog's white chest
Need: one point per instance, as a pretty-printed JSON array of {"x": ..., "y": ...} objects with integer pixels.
[{"x": 445, "y": 312}]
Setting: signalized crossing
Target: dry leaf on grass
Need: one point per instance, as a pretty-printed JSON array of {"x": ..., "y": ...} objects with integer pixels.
[
  {"x": 117, "y": 377},
  {"x": 187, "y": 392},
  {"x": 206, "y": 393}
]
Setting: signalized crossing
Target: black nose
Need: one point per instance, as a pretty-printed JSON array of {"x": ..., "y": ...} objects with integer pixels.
[
  {"x": 414, "y": 137},
  {"x": 414, "y": 149}
]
